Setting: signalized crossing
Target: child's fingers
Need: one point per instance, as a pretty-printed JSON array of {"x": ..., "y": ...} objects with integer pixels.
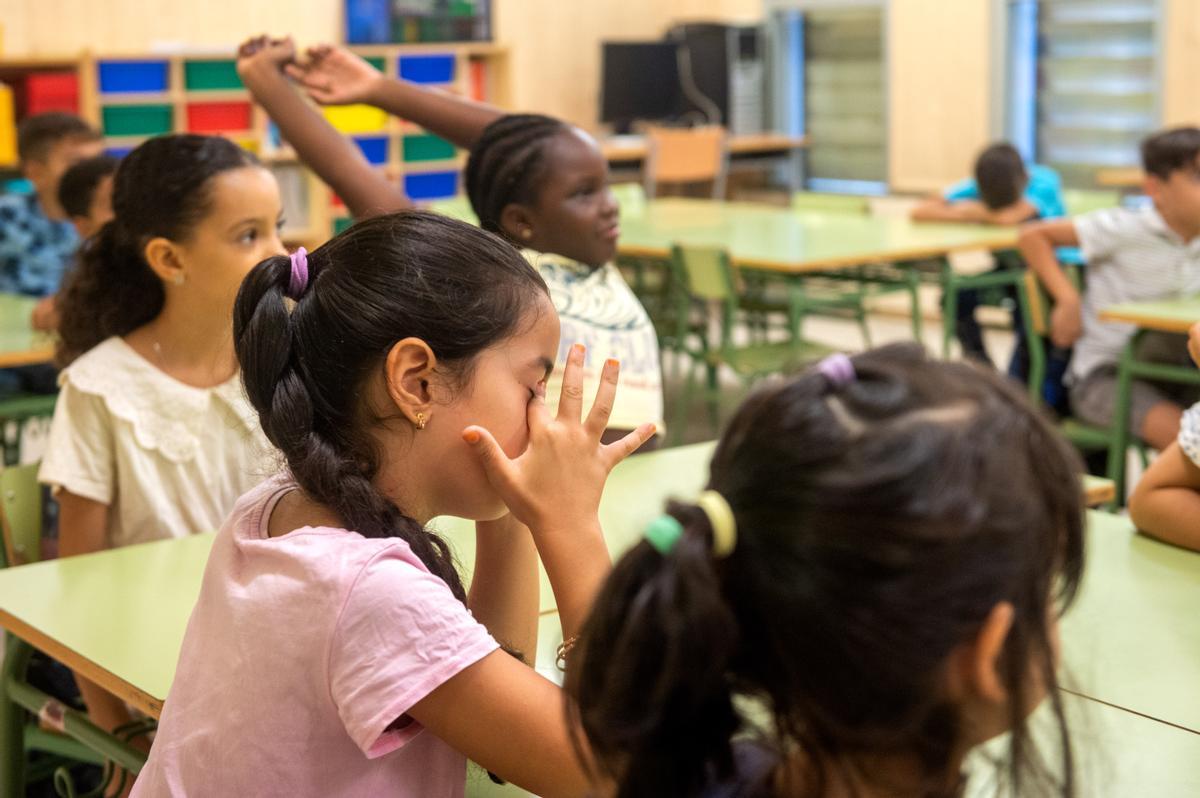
[
  {"x": 570, "y": 403},
  {"x": 619, "y": 450},
  {"x": 295, "y": 72},
  {"x": 537, "y": 415},
  {"x": 496, "y": 465},
  {"x": 606, "y": 394}
]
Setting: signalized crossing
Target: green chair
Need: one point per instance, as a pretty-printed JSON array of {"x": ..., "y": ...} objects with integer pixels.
[
  {"x": 711, "y": 296},
  {"x": 15, "y": 414},
  {"x": 1080, "y": 201},
  {"x": 1035, "y": 310},
  {"x": 71, "y": 738}
]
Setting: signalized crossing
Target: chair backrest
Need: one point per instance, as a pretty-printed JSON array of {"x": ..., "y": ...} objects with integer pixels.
[
  {"x": 831, "y": 203},
  {"x": 1081, "y": 201},
  {"x": 685, "y": 155},
  {"x": 21, "y": 514},
  {"x": 708, "y": 272}
]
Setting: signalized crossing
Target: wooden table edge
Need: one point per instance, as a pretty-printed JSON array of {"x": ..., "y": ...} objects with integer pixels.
[
  {"x": 1148, "y": 322},
  {"x": 30, "y": 357},
  {"x": 114, "y": 684},
  {"x": 1096, "y": 495}
]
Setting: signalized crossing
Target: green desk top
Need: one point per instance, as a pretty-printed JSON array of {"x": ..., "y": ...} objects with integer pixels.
[
  {"x": 20, "y": 345},
  {"x": 1131, "y": 639},
  {"x": 1173, "y": 315},
  {"x": 783, "y": 239}
]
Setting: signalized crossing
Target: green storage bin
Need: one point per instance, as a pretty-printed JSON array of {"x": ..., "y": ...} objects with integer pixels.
[
  {"x": 342, "y": 223},
  {"x": 377, "y": 61},
  {"x": 427, "y": 147},
  {"x": 211, "y": 76},
  {"x": 136, "y": 120}
]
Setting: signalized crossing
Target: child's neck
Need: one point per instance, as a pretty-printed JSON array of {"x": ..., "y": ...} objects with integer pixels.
[
  {"x": 880, "y": 776},
  {"x": 1187, "y": 229},
  {"x": 193, "y": 347},
  {"x": 50, "y": 206}
]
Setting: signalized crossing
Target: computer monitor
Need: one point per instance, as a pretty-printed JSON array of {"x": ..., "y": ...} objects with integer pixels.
[{"x": 640, "y": 81}]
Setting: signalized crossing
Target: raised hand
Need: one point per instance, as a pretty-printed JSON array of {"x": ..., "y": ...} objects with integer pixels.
[{"x": 335, "y": 76}]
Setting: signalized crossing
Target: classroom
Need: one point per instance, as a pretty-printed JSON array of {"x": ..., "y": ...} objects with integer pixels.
[{"x": 513, "y": 398}]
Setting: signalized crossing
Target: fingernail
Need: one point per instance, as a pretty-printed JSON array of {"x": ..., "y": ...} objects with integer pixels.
[
  {"x": 577, "y": 350},
  {"x": 612, "y": 363},
  {"x": 471, "y": 436}
]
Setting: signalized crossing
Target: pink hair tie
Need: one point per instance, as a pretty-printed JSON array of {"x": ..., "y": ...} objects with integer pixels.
[
  {"x": 299, "y": 279},
  {"x": 838, "y": 369}
]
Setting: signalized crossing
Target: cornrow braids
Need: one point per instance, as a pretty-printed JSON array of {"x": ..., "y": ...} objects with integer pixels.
[{"x": 507, "y": 164}]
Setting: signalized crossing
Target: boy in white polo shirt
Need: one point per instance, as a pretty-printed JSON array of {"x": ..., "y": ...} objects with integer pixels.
[{"x": 1141, "y": 255}]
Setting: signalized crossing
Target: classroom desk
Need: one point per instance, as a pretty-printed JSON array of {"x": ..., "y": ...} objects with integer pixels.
[
  {"x": 20, "y": 345},
  {"x": 1169, "y": 316},
  {"x": 630, "y": 151},
  {"x": 119, "y": 616},
  {"x": 1124, "y": 177}
]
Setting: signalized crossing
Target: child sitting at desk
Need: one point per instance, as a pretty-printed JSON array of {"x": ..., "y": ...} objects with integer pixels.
[
  {"x": 1003, "y": 192},
  {"x": 1133, "y": 255},
  {"x": 539, "y": 182},
  {"x": 1166, "y": 501},
  {"x": 335, "y": 649},
  {"x": 853, "y": 604},
  {"x": 152, "y": 435}
]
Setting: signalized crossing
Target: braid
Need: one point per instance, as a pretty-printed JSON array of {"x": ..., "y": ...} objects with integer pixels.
[{"x": 507, "y": 164}]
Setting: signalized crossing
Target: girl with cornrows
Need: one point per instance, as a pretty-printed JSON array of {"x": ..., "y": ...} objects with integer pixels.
[{"x": 537, "y": 181}]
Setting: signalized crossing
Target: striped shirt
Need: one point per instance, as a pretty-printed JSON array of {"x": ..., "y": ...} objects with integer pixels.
[{"x": 1132, "y": 256}]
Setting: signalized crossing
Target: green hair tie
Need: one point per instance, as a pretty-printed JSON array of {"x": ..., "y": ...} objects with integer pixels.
[{"x": 663, "y": 533}]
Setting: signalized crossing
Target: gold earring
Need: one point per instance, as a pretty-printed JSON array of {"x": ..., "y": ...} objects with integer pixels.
[
  {"x": 526, "y": 233},
  {"x": 179, "y": 279},
  {"x": 420, "y": 421}
]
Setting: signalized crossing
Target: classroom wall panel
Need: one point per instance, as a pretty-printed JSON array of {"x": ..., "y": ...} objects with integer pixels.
[
  {"x": 939, "y": 60},
  {"x": 1181, "y": 63}
]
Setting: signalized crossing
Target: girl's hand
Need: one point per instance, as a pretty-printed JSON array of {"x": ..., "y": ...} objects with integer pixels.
[
  {"x": 557, "y": 482},
  {"x": 335, "y": 76},
  {"x": 264, "y": 54}
]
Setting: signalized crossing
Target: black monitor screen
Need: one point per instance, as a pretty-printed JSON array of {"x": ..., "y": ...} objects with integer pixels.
[{"x": 640, "y": 81}]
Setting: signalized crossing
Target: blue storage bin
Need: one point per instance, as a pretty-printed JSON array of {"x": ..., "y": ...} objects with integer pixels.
[
  {"x": 374, "y": 148},
  {"x": 118, "y": 152},
  {"x": 122, "y": 77},
  {"x": 431, "y": 185},
  {"x": 427, "y": 68}
]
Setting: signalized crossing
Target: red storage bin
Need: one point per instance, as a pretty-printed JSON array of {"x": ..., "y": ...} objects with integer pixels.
[
  {"x": 51, "y": 91},
  {"x": 218, "y": 117}
]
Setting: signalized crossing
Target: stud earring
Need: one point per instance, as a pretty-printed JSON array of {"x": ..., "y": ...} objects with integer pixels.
[
  {"x": 178, "y": 279},
  {"x": 526, "y": 233},
  {"x": 421, "y": 421}
]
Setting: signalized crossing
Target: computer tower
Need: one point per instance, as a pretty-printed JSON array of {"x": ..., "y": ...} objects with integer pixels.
[{"x": 728, "y": 67}]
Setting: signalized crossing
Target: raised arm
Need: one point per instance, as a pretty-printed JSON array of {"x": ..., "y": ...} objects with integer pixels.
[
  {"x": 334, "y": 158},
  {"x": 334, "y": 75}
]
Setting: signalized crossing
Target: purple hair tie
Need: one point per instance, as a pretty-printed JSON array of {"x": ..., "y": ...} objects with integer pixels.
[
  {"x": 838, "y": 369},
  {"x": 299, "y": 279}
]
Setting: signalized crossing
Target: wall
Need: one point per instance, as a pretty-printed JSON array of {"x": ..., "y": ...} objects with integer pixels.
[
  {"x": 555, "y": 43},
  {"x": 1181, "y": 63},
  {"x": 939, "y": 57}
]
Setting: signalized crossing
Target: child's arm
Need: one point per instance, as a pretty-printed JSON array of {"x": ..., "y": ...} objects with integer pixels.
[
  {"x": 334, "y": 158},
  {"x": 1037, "y": 243},
  {"x": 504, "y": 594},
  {"x": 334, "y": 75},
  {"x": 942, "y": 210},
  {"x": 1166, "y": 502}
]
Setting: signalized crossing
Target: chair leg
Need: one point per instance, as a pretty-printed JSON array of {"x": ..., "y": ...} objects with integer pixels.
[
  {"x": 12, "y": 719},
  {"x": 1121, "y": 434},
  {"x": 949, "y": 312},
  {"x": 861, "y": 314},
  {"x": 714, "y": 398},
  {"x": 675, "y": 435}
]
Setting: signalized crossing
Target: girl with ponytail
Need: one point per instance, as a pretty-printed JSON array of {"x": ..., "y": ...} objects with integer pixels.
[
  {"x": 400, "y": 369},
  {"x": 152, "y": 435},
  {"x": 878, "y": 564}
]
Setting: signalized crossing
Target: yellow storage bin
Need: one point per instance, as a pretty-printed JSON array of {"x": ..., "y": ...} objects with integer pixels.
[
  {"x": 8, "y": 127},
  {"x": 356, "y": 118}
]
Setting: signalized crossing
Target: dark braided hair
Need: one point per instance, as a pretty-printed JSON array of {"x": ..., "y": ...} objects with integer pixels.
[
  {"x": 160, "y": 189},
  {"x": 507, "y": 164},
  {"x": 878, "y": 524},
  {"x": 408, "y": 274}
]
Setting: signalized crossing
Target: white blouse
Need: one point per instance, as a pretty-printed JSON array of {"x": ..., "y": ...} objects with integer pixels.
[{"x": 167, "y": 458}]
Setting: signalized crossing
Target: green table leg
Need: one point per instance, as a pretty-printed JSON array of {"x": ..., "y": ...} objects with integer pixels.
[
  {"x": 12, "y": 720},
  {"x": 1121, "y": 432},
  {"x": 949, "y": 305}
]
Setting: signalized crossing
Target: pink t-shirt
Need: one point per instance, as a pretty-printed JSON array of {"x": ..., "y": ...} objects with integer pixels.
[{"x": 300, "y": 652}]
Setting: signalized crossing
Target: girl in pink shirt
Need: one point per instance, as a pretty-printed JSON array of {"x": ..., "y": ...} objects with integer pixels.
[{"x": 334, "y": 650}]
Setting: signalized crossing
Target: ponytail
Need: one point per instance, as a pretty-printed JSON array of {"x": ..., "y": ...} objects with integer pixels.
[
  {"x": 111, "y": 291},
  {"x": 651, "y": 680}
]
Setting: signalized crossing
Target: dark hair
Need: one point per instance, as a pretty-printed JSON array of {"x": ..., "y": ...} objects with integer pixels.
[
  {"x": 408, "y": 274},
  {"x": 37, "y": 135},
  {"x": 1000, "y": 175},
  {"x": 878, "y": 525},
  {"x": 160, "y": 189},
  {"x": 508, "y": 164},
  {"x": 78, "y": 184},
  {"x": 1171, "y": 150}
]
